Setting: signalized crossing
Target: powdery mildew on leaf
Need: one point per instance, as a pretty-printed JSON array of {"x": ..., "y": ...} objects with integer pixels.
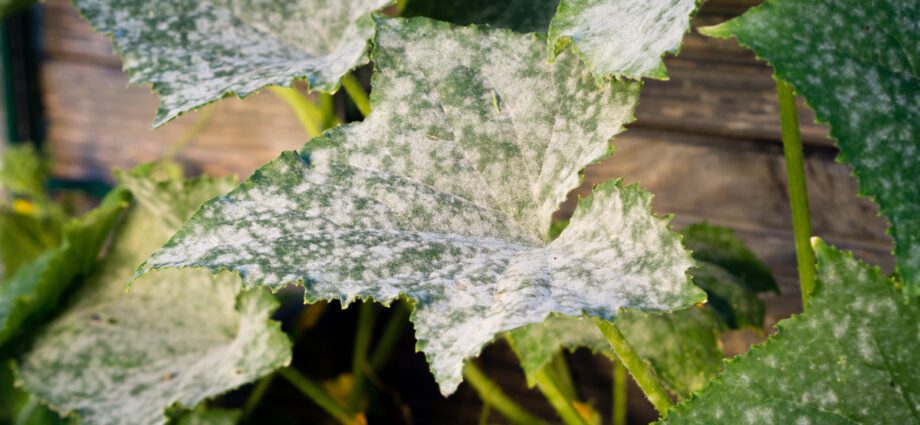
[
  {"x": 622, "y": 37},
  {"x": 851, "y": 358},
  {"x": 858, "y": 65},
  {"x": 195, "y": 52},
  {"x": 178, "y": 336},
  {"x": 445, "y": 194}
]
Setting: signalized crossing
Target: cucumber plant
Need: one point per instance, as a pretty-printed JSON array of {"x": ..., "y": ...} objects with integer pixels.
[{"x": 481, "y": 117}]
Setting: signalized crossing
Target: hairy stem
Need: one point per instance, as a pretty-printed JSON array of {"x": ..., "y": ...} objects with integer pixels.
[
  {"x": 356, "y": 91},
  {"x": 359, "y": 355},
  {"x": 491, "y": 394},
  {"x": 619, "y": 393},
  {"x": 798, "y": 192},
  {"x": 309, "y": 115},
  {"x": 315, "y": 392},
  {"x": 383, "y": 350},
  {"x": 256, "y": 396},
  {"x": 552, "y": 390},
  {"x": 646, "y": 379}
]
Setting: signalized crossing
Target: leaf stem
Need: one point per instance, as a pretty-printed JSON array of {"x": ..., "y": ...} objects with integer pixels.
[
  {"x": 563, "y": 376},
  {"x": 356, "y": 91},
  {"x": 492, "y": 394},
  {"x": 315, "y": 392},
  {"x": 646, "y": 379},
  {"x": 798, "y": 192},
  {"x": 359, "y": 355},
  {"x": 310, "y": 115},
  {"x": 200, "y": 125},
  {"x": 383, "y": 350},
  {"x": 256, "y": 396},
  {"x": 551, "y": 389},
  {"x": 619, "y": 393}
]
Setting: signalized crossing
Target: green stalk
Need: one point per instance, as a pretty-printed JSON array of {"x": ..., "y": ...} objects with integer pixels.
[
  {"x": 636, "y": 367},
  {"x": 619, "y": 393},
  {"x": 309, "y": 115},
  {"x": 563, "y": 376},
  {"x": 383, "y": 350},
  {"x": 553, "y": 392},
  {"x": 359, "y": 355},
  {"x": 356, "y": 91},
  {"x": 492, "y": 394},
  {"x": 256, "y": 396},
  {"x": 328, "y": 109},
  {"x": 798, "y": 192},
  {"x": 315, "y": 392},
  {"x": 200, "y": 125}
]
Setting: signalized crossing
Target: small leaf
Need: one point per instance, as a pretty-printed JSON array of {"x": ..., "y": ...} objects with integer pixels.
[
  {"x": 196, "y": 52},
  {"x": 34, "y": 290},
  {"x": 178, "y": 337},
  {"x": 858, "y": 65},
  {"x": 850, "y": 358},
  {"x": 622, "y": 38},
  {"x": 440, "y": 197}
]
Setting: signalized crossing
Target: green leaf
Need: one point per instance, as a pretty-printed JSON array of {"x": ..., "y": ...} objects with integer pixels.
[
  {"x": 622, "y": 38},
  {"x": 176, "y": 338},
  {"x": 858, "y": 65},
  {"x": 445, "y": 194},
  {"x": 850, "y": 358},
  {"x": 619, "y": 38},
  {"x": 203, "y": 416},
  {"x": 23, "y": 171},
  {"x": 36, "y": 287},
  {"x": 23, "y": 238},
  {"x": 730, "y": 274},
  {"x": 516, "y": 15},
  {"x": 196, "y": 52}
]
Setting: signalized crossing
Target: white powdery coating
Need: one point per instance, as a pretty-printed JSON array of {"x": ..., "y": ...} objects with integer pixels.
[
  {"x": 445, "y": 193},
  {"x": 622, "y": 37},
  {"x": 178, "y": 336},
  {"x": 196, "y": 52}
]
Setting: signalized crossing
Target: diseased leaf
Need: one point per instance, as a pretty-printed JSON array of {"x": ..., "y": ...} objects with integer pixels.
[
  {"x": 682, "y": 347},
  {"x": 196, "y": 52},
  {"x": 622, "y": 38},
  {"x": 36, "y": 287},
  {"x": 177, "y": 337},
  {"x": 858, "y": 65},
  {"x": 516, "y": 15},
  {"x": 445, "y": 194},
  {"x": 851, "y": 358}
]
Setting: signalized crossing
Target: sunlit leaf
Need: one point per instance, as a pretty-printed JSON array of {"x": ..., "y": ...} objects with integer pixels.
[
  {"x": 195, "y": 52},
  {"x": 445, "y": 194},
  {"x": 857, "y": 64},
  {"x": 176, "y": 338},
  {"x": 850, "y": 358}
]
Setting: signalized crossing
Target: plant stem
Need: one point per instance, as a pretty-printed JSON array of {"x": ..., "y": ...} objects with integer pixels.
[
  {"x": 484, "y": 414},
  {"x": 492, "y": 394},
  {"x": 563, "y": 376},
  {"x": 619, "y": 393},
  {"x": 328, "y": 108},
  {"x": 798, "y": 192},
  {"x": 255, "y": 397},
  {"x": 200, "y": 125},
  {"x": 646, "y": 379},
  {"x": 389, "y": 337},
  {"x": 359, "y": 355},
  {"x": 310, "y": 115},
  {"x": 356, "y": 91},
  {"x": 319, "y": 396},
  {"x": 550, "y": 388}
]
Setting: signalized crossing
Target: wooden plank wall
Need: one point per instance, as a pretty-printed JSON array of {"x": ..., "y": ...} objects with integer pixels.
[{"x": 706, "y": 143}]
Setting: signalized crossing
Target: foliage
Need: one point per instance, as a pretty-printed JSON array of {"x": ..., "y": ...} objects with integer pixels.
[
  {"x": 850, "y": 358},
  {"x": 856, "y": 63}
]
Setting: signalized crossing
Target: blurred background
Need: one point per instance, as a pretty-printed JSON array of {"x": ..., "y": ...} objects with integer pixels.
[{"x": 706, "y": 143}]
